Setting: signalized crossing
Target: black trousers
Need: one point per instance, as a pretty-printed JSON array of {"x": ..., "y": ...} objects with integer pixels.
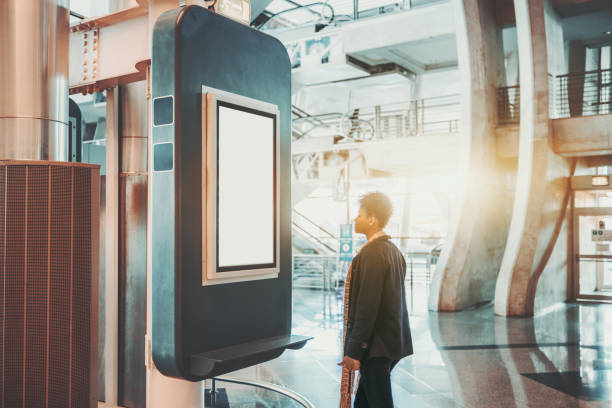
[{"x": 374, "y": 390}]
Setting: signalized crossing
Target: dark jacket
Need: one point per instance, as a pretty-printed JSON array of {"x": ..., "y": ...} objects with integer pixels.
[{"x": 377, "y": 313}]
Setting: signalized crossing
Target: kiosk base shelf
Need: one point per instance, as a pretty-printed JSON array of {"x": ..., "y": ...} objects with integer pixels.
[{"x": 221, "y": 361}]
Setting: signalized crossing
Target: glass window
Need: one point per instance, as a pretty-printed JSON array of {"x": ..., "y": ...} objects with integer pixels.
[{"x": 593, "y": 198}]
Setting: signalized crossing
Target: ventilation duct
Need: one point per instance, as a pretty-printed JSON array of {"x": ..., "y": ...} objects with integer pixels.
[{"x": 34, "y": 79}]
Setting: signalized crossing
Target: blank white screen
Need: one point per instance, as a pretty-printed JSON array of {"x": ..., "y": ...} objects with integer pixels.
[{"x": 246, "y": 188}]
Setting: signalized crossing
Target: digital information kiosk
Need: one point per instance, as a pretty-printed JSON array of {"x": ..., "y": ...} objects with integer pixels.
[{"x": 221, "y": 196}]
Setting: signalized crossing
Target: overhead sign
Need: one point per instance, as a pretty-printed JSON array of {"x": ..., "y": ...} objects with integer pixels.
[
  {"x": 346, "y": 242},
  {"x": 346, "y": 249}
]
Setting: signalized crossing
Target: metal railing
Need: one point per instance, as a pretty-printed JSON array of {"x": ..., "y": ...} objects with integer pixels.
[
  {"x": 314, "y": 232},
  {"x": 325, "y": 272},
  {"x": 508, "y": 105},
  {"x": 570, "y": 95},
  {"x": 298, "y": 398},
  {"x": 316, "y": 243},
  {"x": 419, "y": 267},
  {"x": 584, "y": 93},
  {"x": 575, "y": 94},
  {"x": 315, "y": 271},
  {"x": 297, "y": 215},
  {"x": 436, "y": 115},
  {"x": 336, "y": 12}
]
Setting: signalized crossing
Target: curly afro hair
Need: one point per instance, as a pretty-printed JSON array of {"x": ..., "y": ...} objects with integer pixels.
[{"x": 378, "y": 205}]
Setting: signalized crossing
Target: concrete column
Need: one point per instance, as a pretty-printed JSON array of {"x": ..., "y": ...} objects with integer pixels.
[
  {"x": 591, "y": 96},
  {"x": 511, "y": 57},
  {"x": 111, "y": 217},
  {"x": 511, "y": 62},
  {"x": 575, "y": 89},
  {"x": 555, "y": 44},
  {"x": 470, "y": 259},
  {"x": 542, "y": 184},
  {"x": 606, "y": 63},
  {"x": 133, "y": 244}
]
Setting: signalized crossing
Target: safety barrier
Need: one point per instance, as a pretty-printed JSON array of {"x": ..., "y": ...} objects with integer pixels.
[
  {"x": 325, "y": 272},
  {"x": 584, "y": 93},
  {"x": 570, "y": 95}
]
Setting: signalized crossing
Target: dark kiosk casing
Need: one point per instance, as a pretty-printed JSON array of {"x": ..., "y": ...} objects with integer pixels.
[{"x": 203, "y": 331}]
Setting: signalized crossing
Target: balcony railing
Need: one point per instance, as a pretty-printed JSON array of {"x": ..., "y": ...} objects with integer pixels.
[
  {"x": 436, "y": 115},
  {"x": 575, "y": 94},
  {"x": 584, "y": 93},
  {"x": 334, "y": 11},
  {"x": 508, "y": 105}
]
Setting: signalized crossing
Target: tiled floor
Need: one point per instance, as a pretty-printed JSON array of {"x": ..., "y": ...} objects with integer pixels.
[{"x": 467, "y": 359}]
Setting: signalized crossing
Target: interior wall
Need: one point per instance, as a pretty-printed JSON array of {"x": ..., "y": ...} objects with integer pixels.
[
  {"x": 344, "y": 97},
  {"x": 440, "y": 83},
  {"x": 380, "y": 95},
  {"x": 510, "y": 56},
  {"x": 555, "y": 45},
  {"x": 90, "y": 8}
]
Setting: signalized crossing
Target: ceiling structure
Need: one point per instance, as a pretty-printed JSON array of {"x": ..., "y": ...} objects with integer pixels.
[
  {"x": 565, "y": 9},
  {"x": 405, "y": 43},
  {"x": 396, "y": 48},
  {"x": 592, "y": 27}
]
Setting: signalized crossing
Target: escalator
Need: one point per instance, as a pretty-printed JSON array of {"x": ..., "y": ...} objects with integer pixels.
[{"x": 314, "y": 254}]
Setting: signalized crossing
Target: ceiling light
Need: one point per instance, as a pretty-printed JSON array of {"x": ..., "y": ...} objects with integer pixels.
[{"x": 607, "y": 32}]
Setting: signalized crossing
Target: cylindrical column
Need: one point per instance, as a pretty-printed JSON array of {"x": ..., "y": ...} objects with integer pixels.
[
  {"x": 134, "y": 128},
  {"x": 378, "y": 122},
  {"x": 133, "y": 244},
  {"x": 34, "y": 79}
]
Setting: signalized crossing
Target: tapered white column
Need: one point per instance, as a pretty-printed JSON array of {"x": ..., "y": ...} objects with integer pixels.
[
  {"x": 471, "y": 256},
  {"x": 542, "y": 186}
]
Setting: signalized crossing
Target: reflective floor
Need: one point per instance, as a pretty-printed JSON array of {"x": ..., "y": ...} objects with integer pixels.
[{"x": 562, "y": 358}]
